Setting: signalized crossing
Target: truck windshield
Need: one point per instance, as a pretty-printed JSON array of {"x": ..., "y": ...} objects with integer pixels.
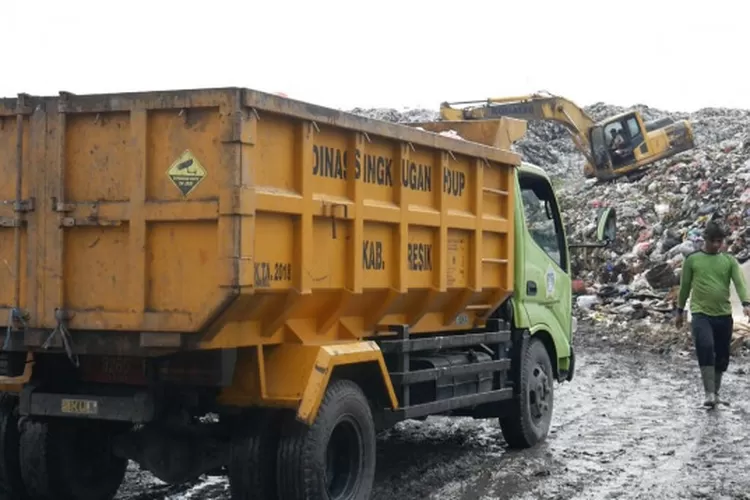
[{"x": 543, "y": 218}]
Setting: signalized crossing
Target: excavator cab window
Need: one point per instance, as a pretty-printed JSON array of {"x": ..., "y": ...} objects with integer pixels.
[
  {"x": 622, "y": 136},
  {"x": 599, "y": 147},
  {"x": 634, "y": 131},
  {"x": 613, "y": 132}
]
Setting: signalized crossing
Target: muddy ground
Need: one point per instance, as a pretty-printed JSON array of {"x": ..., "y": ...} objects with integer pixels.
[{"x": 628, "y": 427}]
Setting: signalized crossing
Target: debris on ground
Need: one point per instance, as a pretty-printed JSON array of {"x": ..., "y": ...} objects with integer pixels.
[{"x": 631, "y": 287}]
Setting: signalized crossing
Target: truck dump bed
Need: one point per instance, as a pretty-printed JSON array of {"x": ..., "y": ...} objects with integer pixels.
[{"x": 245, "y": 218}]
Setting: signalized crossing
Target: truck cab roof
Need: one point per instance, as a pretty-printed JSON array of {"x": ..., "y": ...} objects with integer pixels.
[{"x": 530, "y": 168}]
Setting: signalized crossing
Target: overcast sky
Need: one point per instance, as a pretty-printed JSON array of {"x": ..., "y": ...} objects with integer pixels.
[{"x": 664, "y": 53}]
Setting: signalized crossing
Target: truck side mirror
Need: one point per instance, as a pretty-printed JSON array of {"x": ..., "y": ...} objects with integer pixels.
[
  {"x": 606, "y": 230},
  {"x": 606, "y": 227}
]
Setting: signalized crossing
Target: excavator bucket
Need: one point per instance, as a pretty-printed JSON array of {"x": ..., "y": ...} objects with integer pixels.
[{"x": 500, "y": 133}]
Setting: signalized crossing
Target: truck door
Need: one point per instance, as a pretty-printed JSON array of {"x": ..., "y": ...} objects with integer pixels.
[{"x": 545, "y": 287}]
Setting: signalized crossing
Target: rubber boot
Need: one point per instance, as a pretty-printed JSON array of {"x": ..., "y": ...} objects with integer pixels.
[
  {"x": 709, "y": 385},
  {"x": 717, "y": 387}
]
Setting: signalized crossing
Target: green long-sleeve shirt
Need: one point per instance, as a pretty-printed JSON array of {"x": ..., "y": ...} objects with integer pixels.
[{"x": 707, "y": 276}]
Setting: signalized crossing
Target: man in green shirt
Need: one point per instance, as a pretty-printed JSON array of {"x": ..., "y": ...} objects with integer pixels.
[{"x": 707, "y": 274}]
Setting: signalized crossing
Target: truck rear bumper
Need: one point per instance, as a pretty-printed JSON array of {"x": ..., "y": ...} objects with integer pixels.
[{"x": 139, "y": 407}]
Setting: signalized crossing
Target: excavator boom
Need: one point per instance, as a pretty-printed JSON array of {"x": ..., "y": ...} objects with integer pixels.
[{"x": 529, "y": 107}]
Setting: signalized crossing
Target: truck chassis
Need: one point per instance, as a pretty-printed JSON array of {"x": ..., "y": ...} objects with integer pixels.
[{"x": 67, "y": 439}]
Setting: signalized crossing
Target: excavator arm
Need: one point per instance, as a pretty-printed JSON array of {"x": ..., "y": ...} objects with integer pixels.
[{"x": 540, "y": 106}]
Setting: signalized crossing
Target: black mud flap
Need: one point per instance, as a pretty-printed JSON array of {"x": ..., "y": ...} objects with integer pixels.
[
  {"x": 520, "y": 342},
  {"x": 572, "y": 366}
]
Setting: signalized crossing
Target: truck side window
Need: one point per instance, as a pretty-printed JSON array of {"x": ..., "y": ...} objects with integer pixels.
[{"x": 543, "y": 218}]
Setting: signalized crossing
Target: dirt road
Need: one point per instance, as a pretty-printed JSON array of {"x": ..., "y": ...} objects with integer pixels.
[{"x": 628, "y": 427}]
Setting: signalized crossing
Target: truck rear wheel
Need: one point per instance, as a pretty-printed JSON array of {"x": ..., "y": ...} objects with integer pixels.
[
  {"x": 70, "y": 460},
  {"x": 11, "y": 481},
  {"x": 529, "y": 420},
  {"x": 252, "y": 466},
  {"x": 334, "y": 459}
]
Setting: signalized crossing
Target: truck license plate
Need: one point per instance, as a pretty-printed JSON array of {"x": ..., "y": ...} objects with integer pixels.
[
  {"x": 113, "y": 370},
  {"x": 80, "y": 406}
]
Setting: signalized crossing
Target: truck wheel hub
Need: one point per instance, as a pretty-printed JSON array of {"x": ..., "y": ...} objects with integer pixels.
[
  {"x": 343, "y": 458},
  {"x": 539, "y": 393}
]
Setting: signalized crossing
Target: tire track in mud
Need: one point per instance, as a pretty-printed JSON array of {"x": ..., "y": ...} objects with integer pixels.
[
  {"x": 627, "y": 427},
  {"x": 640, "y": 435},
  {"x": 655, "y": 442},
  {"x": 509, "y": 474}
]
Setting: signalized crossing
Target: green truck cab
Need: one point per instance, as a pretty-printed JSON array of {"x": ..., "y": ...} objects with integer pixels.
[{"x": 540, "y": 312}]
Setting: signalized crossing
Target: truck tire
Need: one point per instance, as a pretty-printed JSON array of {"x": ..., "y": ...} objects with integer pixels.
[
  {"x": 69, "y": 460},
  {"x": 11, "y": 481},
  {"x": 334, "y": 459},
  {"x": 528, "y": 422},
  {"x": 252, "y": 465}
]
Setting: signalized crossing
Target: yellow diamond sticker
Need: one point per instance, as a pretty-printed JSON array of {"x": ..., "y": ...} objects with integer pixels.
[{"x": 186, "y": 172}]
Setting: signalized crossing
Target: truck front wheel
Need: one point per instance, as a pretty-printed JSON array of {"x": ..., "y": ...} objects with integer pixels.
[
  {"x": 334, "y": 459},
  {"x": 70, "y": 460},
  {"x": 528, "y": 421}
]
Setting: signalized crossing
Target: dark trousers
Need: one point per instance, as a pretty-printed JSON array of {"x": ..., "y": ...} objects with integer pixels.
[{"x": 712, "y": 337}]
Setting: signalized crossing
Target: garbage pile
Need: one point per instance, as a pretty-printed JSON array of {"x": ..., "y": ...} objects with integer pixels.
[
  {"x": 631, "y": 287},
  {"x": 406, "y": 115}
]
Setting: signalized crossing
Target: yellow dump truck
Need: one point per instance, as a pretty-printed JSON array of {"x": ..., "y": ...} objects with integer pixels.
[{"x": 230, "y": 282}]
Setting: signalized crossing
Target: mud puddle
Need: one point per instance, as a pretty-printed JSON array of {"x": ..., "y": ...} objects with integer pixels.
[{"x": 628, "y": 427}]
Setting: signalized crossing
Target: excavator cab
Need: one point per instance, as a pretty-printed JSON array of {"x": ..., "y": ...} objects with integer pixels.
[
  {"x": 616, "y": 142},
  {"x": 623, "y": 144}
]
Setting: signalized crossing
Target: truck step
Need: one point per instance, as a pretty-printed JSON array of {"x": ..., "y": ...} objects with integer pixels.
[
  {"x": 419, "y": 376},
  {"x": 445, "y": 405},
  {"x": 444, "y": 342}
]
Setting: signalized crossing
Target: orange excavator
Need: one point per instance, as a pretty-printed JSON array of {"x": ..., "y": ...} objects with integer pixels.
[{"x": 616, "y": 146}]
